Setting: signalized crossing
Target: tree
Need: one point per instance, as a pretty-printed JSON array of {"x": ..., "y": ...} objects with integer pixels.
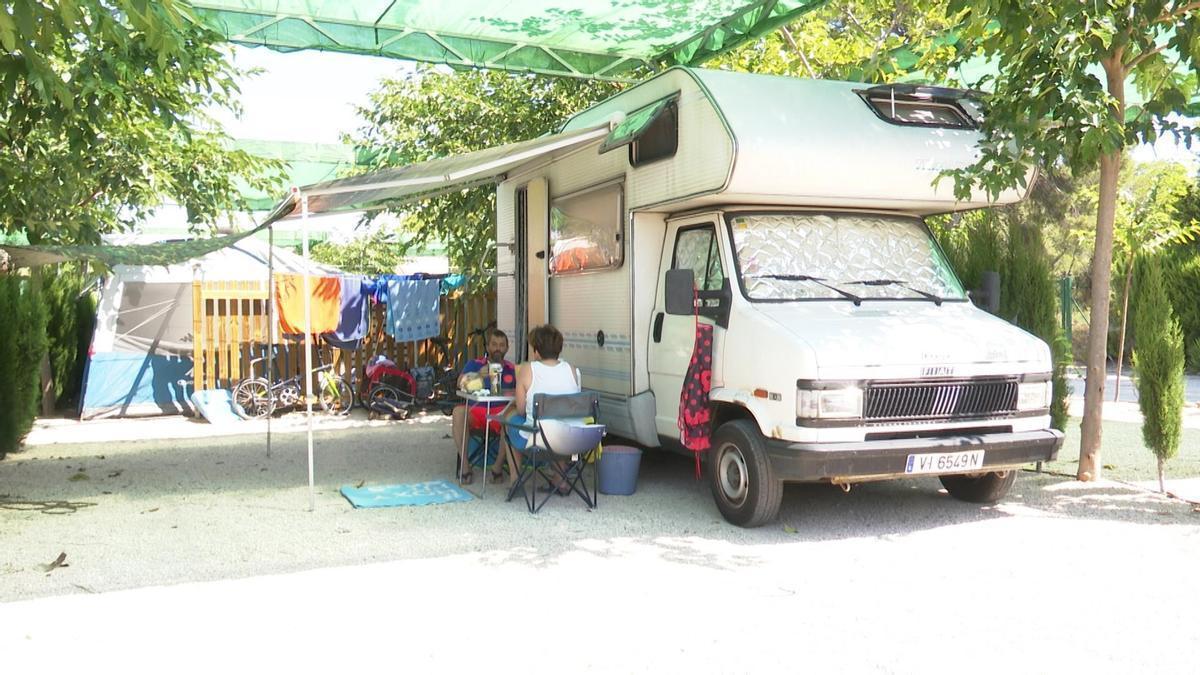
[
  {"x": 375, "y": 252},
  {"x": 1146, "y": 221},
  {"x": 1158, "y": 362},
  {"x": 432, "y": 113},
  {"x": 867, "y": 40},
  {"x": 1060, "y": 96},
  {"x": 103, "y": 118}
]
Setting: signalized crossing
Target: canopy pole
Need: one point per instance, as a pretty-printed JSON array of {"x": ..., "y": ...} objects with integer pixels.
[
  {"x": 270, "y": 355},
  {"x": 308, "y": 369}
]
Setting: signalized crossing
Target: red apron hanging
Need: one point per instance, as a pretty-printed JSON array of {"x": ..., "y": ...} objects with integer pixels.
[{"x": 694, "y": 411}]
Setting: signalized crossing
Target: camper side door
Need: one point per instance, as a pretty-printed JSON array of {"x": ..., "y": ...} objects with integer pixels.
[{"x": 694, "y": 244}]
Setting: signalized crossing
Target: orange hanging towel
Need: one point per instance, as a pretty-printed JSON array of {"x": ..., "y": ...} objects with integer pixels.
[{"x": 326, "y": 293}]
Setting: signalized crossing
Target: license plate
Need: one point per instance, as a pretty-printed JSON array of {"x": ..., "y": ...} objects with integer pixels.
[{"x": 945, "y": 462}]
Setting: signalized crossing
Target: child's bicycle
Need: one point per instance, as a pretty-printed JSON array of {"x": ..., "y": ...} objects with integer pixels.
[{"x": 255, "y": 398}]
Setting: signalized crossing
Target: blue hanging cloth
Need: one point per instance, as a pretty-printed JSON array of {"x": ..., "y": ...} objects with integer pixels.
[
  {"x": 352, "y": 322},
  {"x": 413, "y": 309}
]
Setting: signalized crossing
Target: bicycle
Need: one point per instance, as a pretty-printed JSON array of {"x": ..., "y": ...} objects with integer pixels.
[{"x": 256, "y": 398}]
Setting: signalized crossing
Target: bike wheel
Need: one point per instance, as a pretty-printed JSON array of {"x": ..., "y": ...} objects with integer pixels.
[
  {"x": 337, "y": 398},
  {"x": 252, "y": 399}
]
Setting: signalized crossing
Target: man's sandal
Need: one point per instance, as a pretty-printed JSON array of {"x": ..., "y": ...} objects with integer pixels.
[
  {"x": 497, "y": 476},
  {"x": 467, "y": 478}
]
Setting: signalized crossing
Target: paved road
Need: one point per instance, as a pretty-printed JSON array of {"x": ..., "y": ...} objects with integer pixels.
[
  {"x": 1191, "y": 392},
  {"x": 188, "y": 556}
]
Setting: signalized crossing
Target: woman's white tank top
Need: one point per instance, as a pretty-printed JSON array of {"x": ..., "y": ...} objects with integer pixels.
[{"x": 556, "y": 379}]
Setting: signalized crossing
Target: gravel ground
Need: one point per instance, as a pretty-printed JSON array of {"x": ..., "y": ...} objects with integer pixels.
[{"x": 198, "y": 554}]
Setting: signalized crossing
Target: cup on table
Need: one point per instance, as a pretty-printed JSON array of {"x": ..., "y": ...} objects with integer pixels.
[{"x": 495, "y": 373}]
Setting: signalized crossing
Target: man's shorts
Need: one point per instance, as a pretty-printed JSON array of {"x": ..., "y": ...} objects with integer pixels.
[
  {"x": 516, "y": 438},
  {"x": 477, "y": 416}
]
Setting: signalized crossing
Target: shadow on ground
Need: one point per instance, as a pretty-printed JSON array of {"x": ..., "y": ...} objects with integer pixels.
[{"x": 155, "y": 512}]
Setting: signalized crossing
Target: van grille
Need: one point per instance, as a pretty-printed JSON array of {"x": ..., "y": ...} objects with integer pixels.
[{"x": 941, "y": 399}]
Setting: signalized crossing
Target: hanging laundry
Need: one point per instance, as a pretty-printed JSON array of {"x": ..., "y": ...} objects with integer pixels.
[
  {"x": 326, "y": 294},
  {"x": 352, "y": 319},
  {"x": 413, "y": 309}
]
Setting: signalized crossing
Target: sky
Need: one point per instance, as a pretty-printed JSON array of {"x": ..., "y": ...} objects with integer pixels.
[{"x": 304, "y": 96}]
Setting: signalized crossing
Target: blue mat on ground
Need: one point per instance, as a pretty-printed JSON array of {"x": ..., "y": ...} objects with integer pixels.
[{"x": 410, "y": 494}]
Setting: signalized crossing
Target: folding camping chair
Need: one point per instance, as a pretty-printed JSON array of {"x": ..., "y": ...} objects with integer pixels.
[{"x": 561, "y": 447}]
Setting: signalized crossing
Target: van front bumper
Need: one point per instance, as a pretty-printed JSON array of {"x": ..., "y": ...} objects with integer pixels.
[{"x": 877, "y": 460}]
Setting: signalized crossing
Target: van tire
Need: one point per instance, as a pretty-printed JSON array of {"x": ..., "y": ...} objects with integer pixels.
[
  {"x": 986, "y": 489},
  {"x": 740, "y": 475}
]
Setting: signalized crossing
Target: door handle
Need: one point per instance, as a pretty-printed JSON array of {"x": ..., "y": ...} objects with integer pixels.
[
  {"x": 540, "y": 255},
  {"x": 658, "y": 321}
]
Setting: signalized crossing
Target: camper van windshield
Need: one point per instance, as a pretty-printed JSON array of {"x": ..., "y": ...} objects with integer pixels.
[{"x": 832, "y": 256}]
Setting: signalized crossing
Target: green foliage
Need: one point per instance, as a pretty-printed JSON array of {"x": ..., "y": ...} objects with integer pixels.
[
  {"x": 1058, "y": 91},
  {"x": 1181, "y": 268},
  {"x": 1158, "y": 363},
  {"x": 1029, "y": 299},
  {"x": 860, "y": 40},
  {"x": 22, "y": 346},
  {"x": 375, "y": 253},
  {"x": 431, "y": 113},
  {"x": 974, "y": 243},
  {"x": 1003, "y": 241},
  {"x": 103, "y": 118},
  {"x": 71, "y": 317}
]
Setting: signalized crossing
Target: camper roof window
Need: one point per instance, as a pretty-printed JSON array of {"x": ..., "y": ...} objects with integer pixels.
[
  {"x": 920, "y": 112},
  {"x": 651, "y": 132}
]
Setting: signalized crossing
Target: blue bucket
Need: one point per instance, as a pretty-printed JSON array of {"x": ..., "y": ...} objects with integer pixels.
[{"x": 619, "y": 469}]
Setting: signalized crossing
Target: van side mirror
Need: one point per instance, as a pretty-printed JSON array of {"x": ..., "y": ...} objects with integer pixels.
[
  {"x": 680, "y": 292},
  {"x": 987, "y": 298}
]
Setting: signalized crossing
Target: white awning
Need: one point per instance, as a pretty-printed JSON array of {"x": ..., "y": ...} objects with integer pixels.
[{"x": 390, "y": 187}]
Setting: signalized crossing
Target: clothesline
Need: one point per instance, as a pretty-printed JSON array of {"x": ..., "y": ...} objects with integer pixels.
[{"x": 340, "y": 305}]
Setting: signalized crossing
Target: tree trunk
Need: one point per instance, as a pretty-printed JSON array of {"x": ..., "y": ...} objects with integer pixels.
[
  {"x": 1124, "y": 323},
  {"x": 1161, "y": 483},
  {"x": 1093, "y": 399}
]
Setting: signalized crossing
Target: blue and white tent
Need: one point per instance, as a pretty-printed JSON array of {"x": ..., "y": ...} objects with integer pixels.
[{"x": 140, "y": 361}]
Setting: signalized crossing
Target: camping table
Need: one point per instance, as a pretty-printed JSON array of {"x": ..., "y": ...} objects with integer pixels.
[{"x": 490, "y": 400}]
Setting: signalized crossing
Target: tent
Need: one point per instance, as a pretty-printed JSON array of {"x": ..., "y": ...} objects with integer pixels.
[{"x": 140, "y": 360}]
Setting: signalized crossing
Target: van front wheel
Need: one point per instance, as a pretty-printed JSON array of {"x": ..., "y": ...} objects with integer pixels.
[
  {"x": 987, "y": 488},
  {"x": 739, "y": 472}
]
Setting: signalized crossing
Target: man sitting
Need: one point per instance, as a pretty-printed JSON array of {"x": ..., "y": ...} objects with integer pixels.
[{"x": 477, "y": 414}]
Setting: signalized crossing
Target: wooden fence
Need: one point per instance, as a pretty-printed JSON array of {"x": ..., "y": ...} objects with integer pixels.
[{"x": 229, "y": 322}]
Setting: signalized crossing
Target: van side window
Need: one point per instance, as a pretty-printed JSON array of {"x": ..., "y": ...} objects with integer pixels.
[
  {"x": 586, "y": 230},
  {"x": 696, "y": 248}
]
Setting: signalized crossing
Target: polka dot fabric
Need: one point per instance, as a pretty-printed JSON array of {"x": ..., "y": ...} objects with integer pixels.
[{"x": 694, "y": 411}]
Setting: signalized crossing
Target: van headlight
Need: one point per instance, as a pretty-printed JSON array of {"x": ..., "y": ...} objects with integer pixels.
[
  {"x": 1034, "y": 395},
  {"x": 834, "y": 402}
]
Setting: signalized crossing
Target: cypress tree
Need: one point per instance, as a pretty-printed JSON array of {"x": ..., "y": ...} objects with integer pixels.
[
  {"x": 1030, "y": 300},
  {"x": 1158, "y": 366},
  {"x": 9, "y": 368}
]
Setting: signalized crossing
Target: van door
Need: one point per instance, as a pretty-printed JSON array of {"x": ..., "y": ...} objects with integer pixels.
[
  {"x": 532, "y": 232},
  {"x": 691, "y": 244}
]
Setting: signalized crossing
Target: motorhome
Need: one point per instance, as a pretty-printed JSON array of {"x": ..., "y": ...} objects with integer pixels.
[{"x": 787, "y": 214}]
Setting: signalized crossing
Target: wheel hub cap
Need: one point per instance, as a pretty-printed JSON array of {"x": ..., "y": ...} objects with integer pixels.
[{"x": 731, "y": 475}]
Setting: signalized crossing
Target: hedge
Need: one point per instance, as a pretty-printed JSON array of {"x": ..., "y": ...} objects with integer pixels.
[{"x": 22, "y": 346}]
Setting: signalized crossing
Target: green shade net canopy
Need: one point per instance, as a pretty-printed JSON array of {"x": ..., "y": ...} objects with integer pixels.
[
  {"x": 162, "y": 253},
  {"x": 599, "y": 39}
]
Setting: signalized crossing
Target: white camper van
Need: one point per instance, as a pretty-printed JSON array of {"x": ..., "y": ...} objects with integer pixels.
[
  {"x": 845, "y": 349},
  {"x": 787, "y": 214}
]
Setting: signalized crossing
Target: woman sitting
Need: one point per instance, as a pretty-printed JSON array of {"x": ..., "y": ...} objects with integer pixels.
[{"x": 544, "y": 374}]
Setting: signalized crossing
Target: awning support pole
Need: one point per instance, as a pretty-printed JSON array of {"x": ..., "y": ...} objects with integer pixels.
[
  {"x": 270, "y": 355},
  {"x": 308, "y": 369}
]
